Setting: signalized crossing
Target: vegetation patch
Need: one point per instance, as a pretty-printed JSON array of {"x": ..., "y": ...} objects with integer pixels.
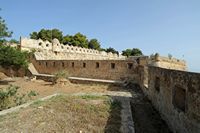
[
  {"x": 67, "y": 114},
  {"x": 10, "y": 97}
]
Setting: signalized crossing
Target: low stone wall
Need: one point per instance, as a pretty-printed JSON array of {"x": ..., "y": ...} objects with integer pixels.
[
  {"x": 176, "y": 95},
  {"x": 168, "y": 63},
  {"x": 97, "y": 69}
]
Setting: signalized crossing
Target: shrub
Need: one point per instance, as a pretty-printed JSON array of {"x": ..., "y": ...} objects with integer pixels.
[
  {"x": 32, "y": 93},
  {"x": 5, "y": 96},
  {"x": 61, "y": 74},
  {"x": 10, "y": 56},
  {"x": 10, "y": 97}
]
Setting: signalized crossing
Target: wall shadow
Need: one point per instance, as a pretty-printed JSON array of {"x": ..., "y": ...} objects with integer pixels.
[
  {"x": 113, "y": 124},
  {"x": 146, "y": 118}
]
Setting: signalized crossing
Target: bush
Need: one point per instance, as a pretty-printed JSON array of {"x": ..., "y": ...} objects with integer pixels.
[
  {"x": 32, "y": 93},
  {"x": 10, "y": 97},
  {"x": 12, "y": 57},
  {"x": 60, "y": 75}
]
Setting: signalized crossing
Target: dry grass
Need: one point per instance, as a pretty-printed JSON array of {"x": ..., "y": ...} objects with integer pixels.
[
  {"x": 66, "y": 114},
  {"x": 46, "y": 88}
]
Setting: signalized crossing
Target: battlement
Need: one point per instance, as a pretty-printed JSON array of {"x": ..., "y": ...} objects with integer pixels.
[
  {"x": 166, "y": 62},
  {"x": 55, "y": 50},
  {"x": 58, "y": 51}
]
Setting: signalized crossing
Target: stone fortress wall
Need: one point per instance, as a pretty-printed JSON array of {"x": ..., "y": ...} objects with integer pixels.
[
  {"x": 176, "y": 95},
  {"x": 46, "y": 50},
  {"x": 58, "y": 51},
  {"x": 97, "y": 69},
  {"x": 174, "y": 92},
  {"x": 166, "y": 62}
]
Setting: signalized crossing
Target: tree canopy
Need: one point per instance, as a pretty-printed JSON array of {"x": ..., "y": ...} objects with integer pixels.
[
  {"x": 94, "y": 44},
  {"x": 4, "y": 32},
  {"x": 78, "y": 39},
  {"x": 112, "y": 50},
  {"x": 10, "y": 56},
  {"x": 132, "y": 52},
  {"x": 46, "y": 34}
]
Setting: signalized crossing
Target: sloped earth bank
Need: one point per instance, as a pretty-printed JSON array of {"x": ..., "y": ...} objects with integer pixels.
[{"x": 145, "y": 117}]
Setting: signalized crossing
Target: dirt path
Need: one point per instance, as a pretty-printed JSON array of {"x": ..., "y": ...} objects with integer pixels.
[{"x": 146, "y": 118}]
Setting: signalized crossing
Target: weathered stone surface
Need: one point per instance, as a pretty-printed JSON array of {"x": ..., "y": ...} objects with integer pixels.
[
  {"x": 180, "y": 107},
  {"x": 57, "y": 51},
  {"x": 76, "y": 68},
  {"x": 168, "y": 63}
]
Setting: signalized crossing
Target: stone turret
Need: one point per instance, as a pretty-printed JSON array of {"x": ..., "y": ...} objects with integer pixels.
[{"x": 56, "y": 46}]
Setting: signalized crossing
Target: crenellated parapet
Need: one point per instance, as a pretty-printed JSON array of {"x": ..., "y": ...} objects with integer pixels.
[
  {"x": 62, "y": 51},
  {"x": 166, "y": 62}
]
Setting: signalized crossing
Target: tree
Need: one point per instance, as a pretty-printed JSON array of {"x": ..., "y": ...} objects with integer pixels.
[
  {"x": 56, "y": 33},
  {"x": 46, "y": 34},
  {"x": 4, "y": 31},
  {"x": 127, "y": 52},
  {"x": 10, "y": 56},
  {"x": 136, "y": 52},
  {"x": 80, "y": 40},
  {"x": 132, "y": 52},
  {"x": 94, "y": 44},
  {"x": 34, "y": 35},
  {"x": 112, "y": 50},
  {"x": 68, "y": 39}
]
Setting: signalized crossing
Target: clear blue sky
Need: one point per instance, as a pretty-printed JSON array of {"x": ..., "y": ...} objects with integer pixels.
[{"x": 164, "y": 26}]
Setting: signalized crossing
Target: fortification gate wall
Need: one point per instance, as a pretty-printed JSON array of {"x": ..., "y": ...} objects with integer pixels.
[
  {"x": 97, "y": 69},
  {"x": 176, "y": 95}
]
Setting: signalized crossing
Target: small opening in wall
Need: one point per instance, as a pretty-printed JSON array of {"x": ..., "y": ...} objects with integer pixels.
[
  {"x": 179, "y": 98},
  {"x": 97, "y": 64},
  {"x": 62, "y": 47},
  {"x": 157, "y": 84},
  {"x": 130, "y": 65},
  {"x": 47, "y": 45},
  {"x": 112, "y": 65},
  {"x": 84, "y": 65},
  {"x": 54, "y": 64},
  {"x": 63, "y": 64},
  {"x": 138, "y": 61},
  {"x": 46, "y": 64},
  {"x": 72, "y": 64},
  {"x": 40, "y": 44}
]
